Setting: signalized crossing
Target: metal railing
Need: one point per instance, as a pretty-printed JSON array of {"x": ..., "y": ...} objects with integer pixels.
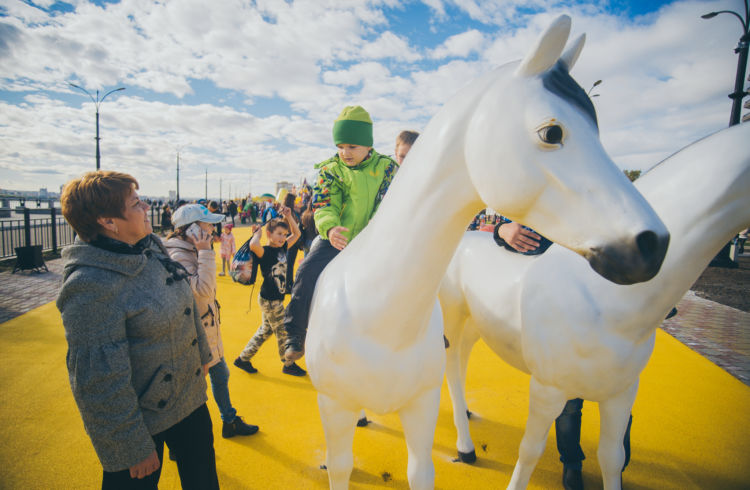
[{"x": 39, "y": 231}]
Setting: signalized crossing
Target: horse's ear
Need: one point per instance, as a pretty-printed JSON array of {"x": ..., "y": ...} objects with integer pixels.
[
  {"x": 547, "y": 49},
  {"x": 570, "y": 56}
]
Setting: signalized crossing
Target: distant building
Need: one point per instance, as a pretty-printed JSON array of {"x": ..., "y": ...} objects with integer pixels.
[
  {"x": 43, "y": 193},
  {"x": 284, "y": 185}
]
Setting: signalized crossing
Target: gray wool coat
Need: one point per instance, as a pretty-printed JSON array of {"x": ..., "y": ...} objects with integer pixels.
[{"x": 136, "y": 348}]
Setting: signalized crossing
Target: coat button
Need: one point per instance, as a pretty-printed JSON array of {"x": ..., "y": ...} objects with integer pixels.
[
  {"x": 198, "y": 372},
  {"x": 167, "y": 377},
  {"x": 187, "y": 311},
  {"x": 162, "y": 403},
  {"x": 195, "y": 341}
]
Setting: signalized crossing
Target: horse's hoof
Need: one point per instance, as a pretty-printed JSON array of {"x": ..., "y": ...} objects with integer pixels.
[
  {"x": 362, "y": 422},
  {"x": 467, "y": 457},
  {"x": 468, "y": 414}
]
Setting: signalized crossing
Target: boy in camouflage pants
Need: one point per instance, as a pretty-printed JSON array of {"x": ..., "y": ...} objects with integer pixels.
[{"x": 272, "y": 259}]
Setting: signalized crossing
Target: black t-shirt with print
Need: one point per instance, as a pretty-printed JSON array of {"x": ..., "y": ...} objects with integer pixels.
[{"x": 273, "y": 268}]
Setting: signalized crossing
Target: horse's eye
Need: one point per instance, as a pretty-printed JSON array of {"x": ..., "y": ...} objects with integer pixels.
[{"x": 551, "y": 134}]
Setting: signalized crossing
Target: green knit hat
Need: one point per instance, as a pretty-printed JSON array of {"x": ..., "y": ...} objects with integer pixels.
[{"x": 353, "y": 126}]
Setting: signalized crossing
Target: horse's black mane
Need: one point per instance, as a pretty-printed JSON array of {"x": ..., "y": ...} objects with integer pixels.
[{"x": 558, "y": 81}]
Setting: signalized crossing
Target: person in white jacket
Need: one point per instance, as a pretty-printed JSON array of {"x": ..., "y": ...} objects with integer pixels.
[{"x": 190, "y": 245}]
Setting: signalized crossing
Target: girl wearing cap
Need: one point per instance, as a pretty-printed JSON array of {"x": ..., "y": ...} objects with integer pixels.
[
  {"x": 191, "y": 246},
  {"x": 347, "y": 193},
  {"x": 137, "y": 353}
]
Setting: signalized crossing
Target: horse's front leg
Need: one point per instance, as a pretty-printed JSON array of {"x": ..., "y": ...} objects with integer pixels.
[
  {"x": 614, "y": 418},
  {"x": 545, "y": 404},
  {"x": 338, "y": 427},
  {"x": 457, "y": 359},
  {"x": 419, "y": 419}
]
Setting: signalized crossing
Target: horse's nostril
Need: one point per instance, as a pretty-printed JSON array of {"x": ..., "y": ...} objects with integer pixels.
[{"x": 647, "y": 243}]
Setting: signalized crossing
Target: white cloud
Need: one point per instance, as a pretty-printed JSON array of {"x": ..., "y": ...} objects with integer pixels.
[
  {"x": 389, "y": 45},
  {"x": 460, "y": 45},
  {"x": 437, "y": 6},
  {"x": 665, "y": 80}
]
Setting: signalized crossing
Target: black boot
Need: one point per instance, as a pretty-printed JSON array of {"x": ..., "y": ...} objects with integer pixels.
[
  {"x": 237, "y": 428},
  {"x": 245, "y": 365},
  {"x": 572, "y": 478},
  {"x": 294, "y": 370}
]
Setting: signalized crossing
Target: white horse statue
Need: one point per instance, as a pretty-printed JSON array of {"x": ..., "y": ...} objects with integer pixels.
[
  {"x": 578, "y": 335},
  {"x": 522, "y": 139}
]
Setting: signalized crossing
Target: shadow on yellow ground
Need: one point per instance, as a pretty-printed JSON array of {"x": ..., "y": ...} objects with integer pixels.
[{"x": 690, "y": 430}]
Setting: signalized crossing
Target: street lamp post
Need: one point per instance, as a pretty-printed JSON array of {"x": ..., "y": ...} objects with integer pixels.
[
  {"x": 178, "y": 149},
  {"x": 178, "y": 175},
  {"x": 97, "y": 102},
  {"x": 596, "y": 83},
  {"x": 725, "y": 257},
  {"x": 741, "y": 49}
]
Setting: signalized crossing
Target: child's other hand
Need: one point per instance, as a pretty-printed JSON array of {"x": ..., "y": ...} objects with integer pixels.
[
  {"x": 336, "y": 238},
  {"x": 518, "y": 237},
  {"x": 254, "y": 228},
  {"x": 285, "y": 212}
]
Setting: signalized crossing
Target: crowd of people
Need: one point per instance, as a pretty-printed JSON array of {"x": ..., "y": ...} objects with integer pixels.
[
  {"x": 245, "y": 210},
  {"x": 137, "y": 362}
]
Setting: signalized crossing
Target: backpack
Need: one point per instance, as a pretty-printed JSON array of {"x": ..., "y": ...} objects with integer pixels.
[{"x": 244, "y": 266}]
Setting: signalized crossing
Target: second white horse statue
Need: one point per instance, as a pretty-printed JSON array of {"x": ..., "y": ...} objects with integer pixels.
[
  {"x": 523, "y": 139},
  {"x": 578, "y": 335}
]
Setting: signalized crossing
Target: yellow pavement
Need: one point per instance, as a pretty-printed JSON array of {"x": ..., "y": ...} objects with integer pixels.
[{"x": 690, "y": 427}]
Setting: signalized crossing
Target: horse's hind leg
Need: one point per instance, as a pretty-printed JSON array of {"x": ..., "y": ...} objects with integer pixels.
[
  {"x": 457, "y": 359},
  {"x": 614, "y": 417},
  {"x": 419, "y": 419},
  {"x": 545, "y": 404},
  {"x": 338, "y": 427}
]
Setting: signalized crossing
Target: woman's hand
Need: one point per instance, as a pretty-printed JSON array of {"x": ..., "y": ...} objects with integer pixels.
[
  {"x": 336, "y": 238},
  {"x": 203, "y": 242},
  {"x": 145, "y": 467}
]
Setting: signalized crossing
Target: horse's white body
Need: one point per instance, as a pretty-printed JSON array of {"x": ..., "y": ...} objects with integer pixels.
[
  {"x": 375, "y": 330},
  {"x": 578, "y": 335}
]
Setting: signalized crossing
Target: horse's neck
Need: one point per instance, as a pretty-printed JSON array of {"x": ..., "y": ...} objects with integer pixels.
[
  {"x": 701, "y": 195},
  {"x": 398, "y": 261}
]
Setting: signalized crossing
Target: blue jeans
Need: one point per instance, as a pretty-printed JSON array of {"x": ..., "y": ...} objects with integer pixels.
[
  {"x": 219, "y": 375},
  {"x": 298, "y": 310}
]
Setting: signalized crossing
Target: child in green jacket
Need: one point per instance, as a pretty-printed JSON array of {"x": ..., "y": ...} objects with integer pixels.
[{"x": 347, "y": 193}]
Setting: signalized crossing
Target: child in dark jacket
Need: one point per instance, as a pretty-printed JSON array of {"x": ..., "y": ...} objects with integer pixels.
[{"x": 274, "y": 267}]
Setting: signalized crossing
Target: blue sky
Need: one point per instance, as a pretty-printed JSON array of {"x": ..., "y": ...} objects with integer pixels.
[{"x": 249, "y": 90}]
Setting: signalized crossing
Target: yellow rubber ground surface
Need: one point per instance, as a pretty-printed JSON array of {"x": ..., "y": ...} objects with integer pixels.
[{"x": 690, "y": 429}]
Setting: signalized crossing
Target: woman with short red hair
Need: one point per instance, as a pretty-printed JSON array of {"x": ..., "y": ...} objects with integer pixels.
[{"x": 136, "y": 347}]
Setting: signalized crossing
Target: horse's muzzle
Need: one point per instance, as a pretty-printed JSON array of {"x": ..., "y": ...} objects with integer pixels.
[{"x": 630, "y": 262}]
